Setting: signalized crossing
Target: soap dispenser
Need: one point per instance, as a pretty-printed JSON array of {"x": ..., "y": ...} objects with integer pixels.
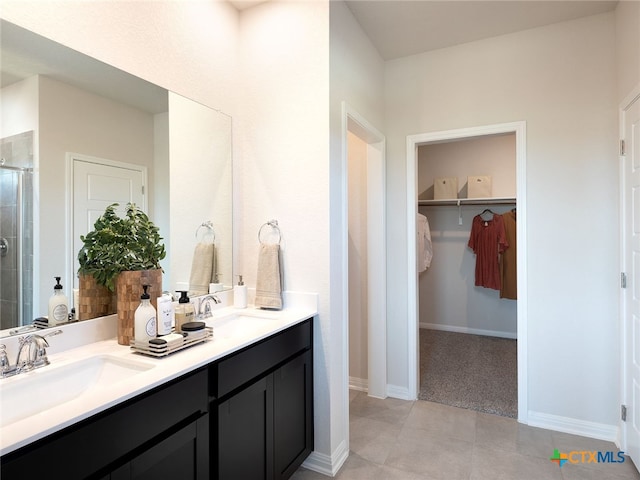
[
  {"x": 185, "y": 311},
  {"x": 216, "y": 286},
  {"x": 58, "y": 306},
  {"x": 240, "y": 294},
  {"x": 145, "y": 327}
]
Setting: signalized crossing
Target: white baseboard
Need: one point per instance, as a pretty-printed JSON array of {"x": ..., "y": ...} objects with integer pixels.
[
  {"x": 395, "y": 391},
  {"x": 325, "y": 464},
  {"x": 472, "y": 331},
  {"x": 359, "y": 384},
  {"x": 574, "y": 426},
  {"x": 362, "y": 385}
]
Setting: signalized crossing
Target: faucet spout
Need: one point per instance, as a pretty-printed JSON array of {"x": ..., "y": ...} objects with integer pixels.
[
  {"x": 204, "y": 309},
  {"x": 32, "y": 353}
]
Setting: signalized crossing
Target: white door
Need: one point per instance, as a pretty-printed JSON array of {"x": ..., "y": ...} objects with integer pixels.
[
  {"x": 631, "y": 265},
  {"x": 96, "y": 185}
]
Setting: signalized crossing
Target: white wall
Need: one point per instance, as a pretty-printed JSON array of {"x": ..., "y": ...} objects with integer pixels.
[
  {"x": 627, "y": 46},
  {"x": 283, "y": 133},
  {"x": 19, "y": 108},
  {"x": 561, "y": 80},
  {"x": 448, "y": 297},
  {"x": 356, "y": 77},
  {"x": 187, "y": 47}
]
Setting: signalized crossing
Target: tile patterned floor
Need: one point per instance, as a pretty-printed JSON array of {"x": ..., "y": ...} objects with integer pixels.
[{"x": 395, "y": 439}]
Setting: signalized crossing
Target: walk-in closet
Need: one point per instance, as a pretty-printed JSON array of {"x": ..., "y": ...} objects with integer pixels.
[{"x": 467, "y": 292}]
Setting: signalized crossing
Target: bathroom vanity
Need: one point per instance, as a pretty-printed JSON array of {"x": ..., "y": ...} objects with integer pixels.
[{"x": 239, "y": 406}]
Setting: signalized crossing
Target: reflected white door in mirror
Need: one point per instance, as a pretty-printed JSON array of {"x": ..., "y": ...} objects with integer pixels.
[{"x": 98, "y": 183}]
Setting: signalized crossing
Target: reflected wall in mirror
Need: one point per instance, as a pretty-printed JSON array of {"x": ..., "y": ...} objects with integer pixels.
[{"x": 77, "y": 108}]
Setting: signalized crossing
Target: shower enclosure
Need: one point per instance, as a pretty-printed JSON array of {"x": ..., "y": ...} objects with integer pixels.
[{"x": 16, "y": 230}]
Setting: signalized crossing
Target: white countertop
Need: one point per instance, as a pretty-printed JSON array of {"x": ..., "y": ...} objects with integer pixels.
[{"x": 99, "y": 398}]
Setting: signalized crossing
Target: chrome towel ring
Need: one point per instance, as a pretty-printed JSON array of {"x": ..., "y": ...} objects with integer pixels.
[
  {"x": 274, "y": 225},
  {"x": 209, "y": 230}
]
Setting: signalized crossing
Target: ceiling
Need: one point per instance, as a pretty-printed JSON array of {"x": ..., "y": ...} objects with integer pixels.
[{"x": 398, "y": 28}]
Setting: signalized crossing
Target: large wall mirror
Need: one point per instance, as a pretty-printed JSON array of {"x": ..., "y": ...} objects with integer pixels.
[{"x": 65, "y": 114}]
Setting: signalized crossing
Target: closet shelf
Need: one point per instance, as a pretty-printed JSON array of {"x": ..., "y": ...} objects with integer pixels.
[{"x": 470, "y": 201}]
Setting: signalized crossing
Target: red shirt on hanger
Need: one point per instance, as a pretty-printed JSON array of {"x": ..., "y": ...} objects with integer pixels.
[{"x": 488, "y": 240}]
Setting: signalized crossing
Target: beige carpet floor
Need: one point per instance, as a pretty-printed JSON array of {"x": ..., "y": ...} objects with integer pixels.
[{"x": 469, "y": 371}]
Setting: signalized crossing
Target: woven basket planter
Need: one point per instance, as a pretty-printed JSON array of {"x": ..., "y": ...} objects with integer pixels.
[
  {"x": 95, "y": 300},
  {"x": 129, "y": 289}
]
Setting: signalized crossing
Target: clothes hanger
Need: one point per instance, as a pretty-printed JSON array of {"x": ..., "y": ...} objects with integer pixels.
[{"x": 485, "y": 211}]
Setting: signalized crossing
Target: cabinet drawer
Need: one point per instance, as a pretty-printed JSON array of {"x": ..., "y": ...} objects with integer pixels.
[
  {"x": 256, "y": 359},
  {"x": 92, "y": 445}
]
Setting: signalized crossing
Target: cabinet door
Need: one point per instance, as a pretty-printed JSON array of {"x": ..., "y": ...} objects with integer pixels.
[
  {"x": 91, "y": 447},
  {"x": 293, "y": 414},
  {"x": 245, "y": 427},
  {"x": 184, "y": 455}
]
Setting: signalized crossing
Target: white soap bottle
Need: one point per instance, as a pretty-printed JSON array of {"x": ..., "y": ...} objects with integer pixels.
[
  {"x": 58, "y": 305},
  {"x": 145, "y": 327},
  {"x": 240, "y": 294},
  {"x": 166, "y": 314}
]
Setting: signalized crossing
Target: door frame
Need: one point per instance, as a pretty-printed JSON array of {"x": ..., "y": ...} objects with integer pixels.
[
  {"x": 629, "y": 100},
  {"x": 71, "y": 158},
  {"x": 413, "y": 352},
  {"x": 355, "y": 123}
]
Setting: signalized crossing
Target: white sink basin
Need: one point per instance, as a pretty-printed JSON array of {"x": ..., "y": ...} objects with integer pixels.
[
  {"x": 34, "y": 392},
  {"x": 241, "y": 324}
]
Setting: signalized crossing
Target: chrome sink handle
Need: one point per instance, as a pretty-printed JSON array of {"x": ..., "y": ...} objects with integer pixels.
[
  {"x": 24, "y": 348},
  {"x": 5, "y": 366},
  {"x": 40, "y": 358}
]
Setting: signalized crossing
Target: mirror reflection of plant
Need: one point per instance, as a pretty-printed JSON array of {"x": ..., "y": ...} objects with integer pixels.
[{"x": 120, "y": 244}]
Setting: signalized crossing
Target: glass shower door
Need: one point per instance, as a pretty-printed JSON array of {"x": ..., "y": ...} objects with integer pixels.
[{"x": 16, "y": 231}]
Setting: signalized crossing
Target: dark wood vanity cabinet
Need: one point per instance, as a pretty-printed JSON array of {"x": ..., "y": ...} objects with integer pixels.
[
  {"x": 248, "y": 416},
  {"x": 153, "y": 435},
  {"x": 263, "y": 403}
]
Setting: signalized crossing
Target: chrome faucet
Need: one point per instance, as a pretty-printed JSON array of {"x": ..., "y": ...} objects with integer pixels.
[
  {"x": 206, "y": 311},
  {"x": 32, "y": 354}
]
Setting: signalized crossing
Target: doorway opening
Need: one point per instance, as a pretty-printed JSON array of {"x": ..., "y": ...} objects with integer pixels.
[
  {"x": 365, "y": 253},
  {"x": 467, "y": 314},
  {"x": 434, "y": 138}
]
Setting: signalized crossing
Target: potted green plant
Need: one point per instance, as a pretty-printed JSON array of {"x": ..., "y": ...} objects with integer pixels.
[{"x": 122, "y": 254}]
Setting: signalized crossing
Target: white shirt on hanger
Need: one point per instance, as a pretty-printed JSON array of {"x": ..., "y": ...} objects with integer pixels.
[{"x": 425, "y": 248}]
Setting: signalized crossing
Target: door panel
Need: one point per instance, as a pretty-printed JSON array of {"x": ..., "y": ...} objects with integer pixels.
[
  {"x": 631, "y": 295},
  {"x": 95, "y": 187}
]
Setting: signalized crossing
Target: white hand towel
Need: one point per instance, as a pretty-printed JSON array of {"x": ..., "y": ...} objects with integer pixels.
[
  {"x": 269, "y": 281},
  {"x": 201, "y": 269}
]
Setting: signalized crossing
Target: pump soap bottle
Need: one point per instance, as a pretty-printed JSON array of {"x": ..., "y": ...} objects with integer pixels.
[
  {"x": 145, "y": 327},
  {"x": 185, "y": 311},
  {"x": 240, "y": 294},
  {"x": 58, "y": 306}
]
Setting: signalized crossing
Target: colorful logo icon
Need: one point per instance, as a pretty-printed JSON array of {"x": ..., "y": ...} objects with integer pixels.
[
  {"x": 586, "y": 456},
  {"x": 559, "y": 458}
]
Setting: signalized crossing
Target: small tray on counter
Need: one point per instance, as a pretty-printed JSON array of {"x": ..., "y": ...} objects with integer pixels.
[{"x": 157, "y": 351}]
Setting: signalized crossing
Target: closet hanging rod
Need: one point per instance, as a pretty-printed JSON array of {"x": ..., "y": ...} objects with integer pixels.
[{"x": 470, "y": 201}]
